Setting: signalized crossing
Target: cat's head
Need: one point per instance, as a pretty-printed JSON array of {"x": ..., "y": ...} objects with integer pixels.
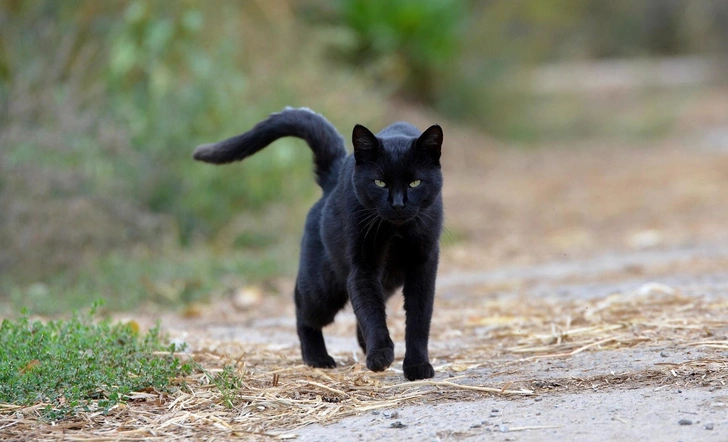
[{"x": 397, "y": 175}]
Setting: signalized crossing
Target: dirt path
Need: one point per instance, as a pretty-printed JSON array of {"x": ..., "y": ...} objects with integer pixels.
[
  {"x": 621, "y": 415},
  {"x": 583, "y": 295},
  {"x": 643, "y": 381},
  {"x": 608, "y": 352},
  {"x": 586, "y": 285}
]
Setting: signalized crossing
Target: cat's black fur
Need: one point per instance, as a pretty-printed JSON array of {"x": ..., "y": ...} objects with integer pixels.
[{"x": 361, "y": 241}]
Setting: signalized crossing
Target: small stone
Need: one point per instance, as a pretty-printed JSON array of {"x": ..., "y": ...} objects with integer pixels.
[
  {"x": 503, "y": 428},
  {"x": 246, "y": 297},
  {"x": 398, "y": 424},
  {"x": 391, "y": 415},
  {"x": 537, "y": 399},
  {"x": 494, "y": 410},
  {"x": 375, "y": 413},
  {"x": 709, "y": 425},
  {"x": 663, "y": 354},
  {"x": 685, "y": 422},
  {"x": 476, "y": 426}
]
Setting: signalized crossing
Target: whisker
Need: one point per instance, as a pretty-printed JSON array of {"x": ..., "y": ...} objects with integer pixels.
[
  {"x": 366, "y": 219},
  {"x": 449, "y": 235},
  {"x": 370, "y": 227},
  {"x": 444, "y": 229},
  {"x": 381, "y": 220},
  {"x": 364, "y": 209},
  {"x": 424, "y": 223}
]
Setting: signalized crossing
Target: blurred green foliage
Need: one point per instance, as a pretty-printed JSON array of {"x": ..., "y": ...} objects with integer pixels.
[
  {"x": 422, "y": 37},
  {"x": 470, "y": 59},
  {"x": 102, "y": 102},
  {"x": 166, "y": 279},
  {"x": 157, "y": 94}
]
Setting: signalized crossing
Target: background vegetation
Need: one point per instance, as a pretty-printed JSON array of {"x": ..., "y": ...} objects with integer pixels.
[{"x": 101, "y": 104}]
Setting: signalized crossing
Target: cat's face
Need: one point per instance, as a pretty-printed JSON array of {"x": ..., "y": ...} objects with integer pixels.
[{"x": 397, "y": 176}]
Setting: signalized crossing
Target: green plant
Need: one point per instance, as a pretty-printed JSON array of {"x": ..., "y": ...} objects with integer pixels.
[
  {"x": 227, "y": 381},
  {"x": 423, "y": 37},
  {"x": 81, "y": 364}
]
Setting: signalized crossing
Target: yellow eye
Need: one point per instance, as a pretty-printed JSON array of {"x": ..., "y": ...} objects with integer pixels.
[
  {"x": 415, "y": 183},
  {"x": 379, "y": 183}
]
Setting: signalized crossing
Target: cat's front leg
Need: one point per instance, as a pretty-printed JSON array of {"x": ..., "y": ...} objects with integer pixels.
[
  {"x": 367, "y": 300},
  {"x": 419, "y": 297}
]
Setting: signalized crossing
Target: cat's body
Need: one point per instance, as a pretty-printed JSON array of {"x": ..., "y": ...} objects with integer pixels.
[{"x": 375, "y": 229}]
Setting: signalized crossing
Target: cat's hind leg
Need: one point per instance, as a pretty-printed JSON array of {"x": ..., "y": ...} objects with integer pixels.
[
  {"x": 313, "y": 312},
  {"x": 313, "y": 347}
]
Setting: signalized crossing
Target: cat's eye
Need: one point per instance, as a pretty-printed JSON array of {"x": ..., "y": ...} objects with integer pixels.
[
  {"x": 415, "y": 183},
  {"x": 380, "y": 183}
]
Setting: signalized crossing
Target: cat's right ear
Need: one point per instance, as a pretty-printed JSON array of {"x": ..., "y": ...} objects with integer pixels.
[
  {"x": 431, "y": 141},
  {"x": 366, "y": 145}
]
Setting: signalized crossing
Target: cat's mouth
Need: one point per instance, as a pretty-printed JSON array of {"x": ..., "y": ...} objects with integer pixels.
[{"x": 399, "y": 219}]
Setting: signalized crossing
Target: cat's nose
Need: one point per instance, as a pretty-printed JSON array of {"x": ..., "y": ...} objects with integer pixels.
[{"x": 397, "y": 202}]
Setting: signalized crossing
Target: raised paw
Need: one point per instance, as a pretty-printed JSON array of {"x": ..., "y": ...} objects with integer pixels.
[
  {"x": 414, "y": 372},
  {"x": 325, "y": 361},
  {"x": 380, "y": 359}
]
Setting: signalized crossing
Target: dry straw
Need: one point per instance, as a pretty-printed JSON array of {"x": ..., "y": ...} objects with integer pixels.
[{"x": 278, "y": 395}]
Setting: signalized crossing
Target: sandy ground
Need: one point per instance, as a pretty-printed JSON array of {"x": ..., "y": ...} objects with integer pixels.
[
  {"x": 645, "y": 384},
  {"x": 596, "y": 395},
  {"x": 639, "y": 414}
]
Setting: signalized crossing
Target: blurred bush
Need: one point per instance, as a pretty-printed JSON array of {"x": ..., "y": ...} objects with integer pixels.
[
  {"x": 101, "y": 106},
  {"x": 101, "y": 103},
  {"x": 414, "y": 40},
  {"x": 472, "y": 60}
]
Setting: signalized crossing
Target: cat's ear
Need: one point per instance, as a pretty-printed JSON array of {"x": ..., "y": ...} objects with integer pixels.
[
  {"x": 365, "y": 143},
  {"x": 430, "y": 141}
]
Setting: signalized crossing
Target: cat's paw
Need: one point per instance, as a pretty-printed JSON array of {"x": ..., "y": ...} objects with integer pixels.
[
  {"x": 380, "y": 359},
  {"x": 325, "y": 361},
  {"x": 414, "y": 372}
]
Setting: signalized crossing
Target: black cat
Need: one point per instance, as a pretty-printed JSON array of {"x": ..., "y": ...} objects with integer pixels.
[{"x": 376, "y": 228}]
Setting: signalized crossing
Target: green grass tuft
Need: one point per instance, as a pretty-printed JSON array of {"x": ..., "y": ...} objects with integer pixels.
[
  {"x": 228, "y": 382},
  {"x": 80, "y": 364}
]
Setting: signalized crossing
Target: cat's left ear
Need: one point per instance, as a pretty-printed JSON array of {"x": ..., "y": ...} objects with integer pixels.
[
  {"x": 366, "y": 144},
  {"x": 430, "y": 141}
]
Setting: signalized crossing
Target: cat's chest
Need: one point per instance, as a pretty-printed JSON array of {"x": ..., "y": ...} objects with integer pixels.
[
  {"x": 394, "y": 246},
  {"x": 392, "y": 240}
]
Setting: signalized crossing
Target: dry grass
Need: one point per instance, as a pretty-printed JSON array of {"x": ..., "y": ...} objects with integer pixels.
[{"x": 277, "y": 395}]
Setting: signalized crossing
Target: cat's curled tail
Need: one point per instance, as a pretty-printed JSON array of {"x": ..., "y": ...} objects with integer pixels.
[{"x": 325, "y": 142}]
